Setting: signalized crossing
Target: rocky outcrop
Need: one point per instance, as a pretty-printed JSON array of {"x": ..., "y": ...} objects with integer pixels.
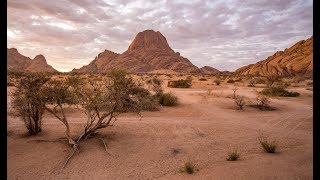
[
  {"x": 149, "y": 51},
  {"x": 21, "y": 63},
  {"x": 296, "y": 60},
  {"x": 209, "y": 70}
]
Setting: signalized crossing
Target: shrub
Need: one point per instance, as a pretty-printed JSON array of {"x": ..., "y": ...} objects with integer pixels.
[
  {"x": 278, "y": 91},
  {"x": 28, "y": 101},
  {"x": 239, "y": 101},
  {"x": 217, "y": 81},
  {"x": 256, "y": 80},
  {"x": 181, "y": 83},
  {"x": 233, "y": 156},
  {"x": 269, "y": 147},
  {"x": 202, "y": 79},
  {"x": 262, "y": 103},
  {"x": 272, "y": 79},
  {"x": 189, "y": 167},
  {"x": 230, "y": 81},
  {"x": 238, "y": 80},
  {"x": 166, "y": 99}
]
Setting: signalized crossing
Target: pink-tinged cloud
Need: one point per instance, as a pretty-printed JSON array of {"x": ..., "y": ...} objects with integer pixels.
[{"x": 225, "y": 34}]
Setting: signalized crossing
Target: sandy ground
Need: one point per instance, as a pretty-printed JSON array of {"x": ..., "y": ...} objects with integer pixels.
[{"x": 203, "y": 128}]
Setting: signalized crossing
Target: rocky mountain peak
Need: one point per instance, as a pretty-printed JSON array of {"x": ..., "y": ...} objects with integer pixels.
[{"x": 149, "y": 39}]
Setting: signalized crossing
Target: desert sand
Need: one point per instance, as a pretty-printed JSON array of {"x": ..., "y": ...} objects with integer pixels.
[{"x": 204, "y": 128}]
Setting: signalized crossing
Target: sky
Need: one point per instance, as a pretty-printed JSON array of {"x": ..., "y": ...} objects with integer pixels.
[{"x": 224, "y": 34}]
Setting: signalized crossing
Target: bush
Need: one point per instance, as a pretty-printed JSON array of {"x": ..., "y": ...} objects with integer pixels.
[
  {"x": 202, "y": 79},
  {"x": 166, "y": 99},
  {"x": 230, "y": 81},
  {"x": 189, "y": 167},
  {"x": 233, "y": 156},
  {"x": 181, "y": 83},
  {"x": 28, "y": 101},
  {"x": 269, "y": 147},
  {"x": 278, "y": 91},
  {"x": 255, "y": 81},
  {"x": 217, "y": 81},
  {"x": 239, "y": 101},
  {"x": 262, "y": 103},
  {"x": 272, "y": 79}
]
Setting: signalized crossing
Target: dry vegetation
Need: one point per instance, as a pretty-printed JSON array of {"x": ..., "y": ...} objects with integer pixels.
[{"x": 127, "y": 115}]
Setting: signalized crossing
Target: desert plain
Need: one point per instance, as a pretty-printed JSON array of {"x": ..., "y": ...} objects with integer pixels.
[{"x": 203, "y": 128}]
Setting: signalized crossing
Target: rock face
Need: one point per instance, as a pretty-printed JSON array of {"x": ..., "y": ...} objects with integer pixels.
[
  {"x": 297, "y": 60},
  {"x": 209, "y": 70},
  {"x": 18, "y": 62},
  {"x": 149, "y": 51}
]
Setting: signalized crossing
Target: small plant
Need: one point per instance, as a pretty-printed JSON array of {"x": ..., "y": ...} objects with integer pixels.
[
  {"x": 230, "y": 81},
  {"x": 272, "y": 79},
  {"x": 269, "y": 147},
  {"x": 202, "y": 79},
  {"x": 262, "y": 103},
  {"x": 217, "y": 81},
  {"x": 279, "y": 91},
  {"x": 233, "y": 156},
  {"x": 256, "y": 80},
  {"x": 239, "y": 100},
  {"x": 181, "y": 83},
  {"x": 234, "y": 92},
  {"x": 189, "y": 167},
  {"x": 166, "y": 99}
]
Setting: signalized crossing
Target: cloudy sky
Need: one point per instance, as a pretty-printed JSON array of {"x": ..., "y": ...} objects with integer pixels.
[{"x": 225, "y": 34}]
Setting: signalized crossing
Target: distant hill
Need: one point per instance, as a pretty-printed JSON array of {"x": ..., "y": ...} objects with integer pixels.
[
  {"x": 148, "y": 52},
  {"x": 209, "y": 70},
  {"x": 296, "y": 60},
  {"x": 21, "y": 63}
]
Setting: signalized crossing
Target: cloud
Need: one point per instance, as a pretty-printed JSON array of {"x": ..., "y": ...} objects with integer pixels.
[{"x": 225, "y": 34}]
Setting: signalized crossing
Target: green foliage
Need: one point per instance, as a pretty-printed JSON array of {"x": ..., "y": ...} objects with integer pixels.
[
  {"x": 233, "y": 156},
  {"x": 181, "y": 83},
  {"x": 279, "y": 91},
  {"x": 28, "y": 101}
]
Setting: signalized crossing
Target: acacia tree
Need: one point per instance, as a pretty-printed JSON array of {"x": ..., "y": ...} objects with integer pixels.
[
  {"x": 28, "y": 101},
  {"x": 102, "y": 101},
  {"x": 57, "y": 94}
]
